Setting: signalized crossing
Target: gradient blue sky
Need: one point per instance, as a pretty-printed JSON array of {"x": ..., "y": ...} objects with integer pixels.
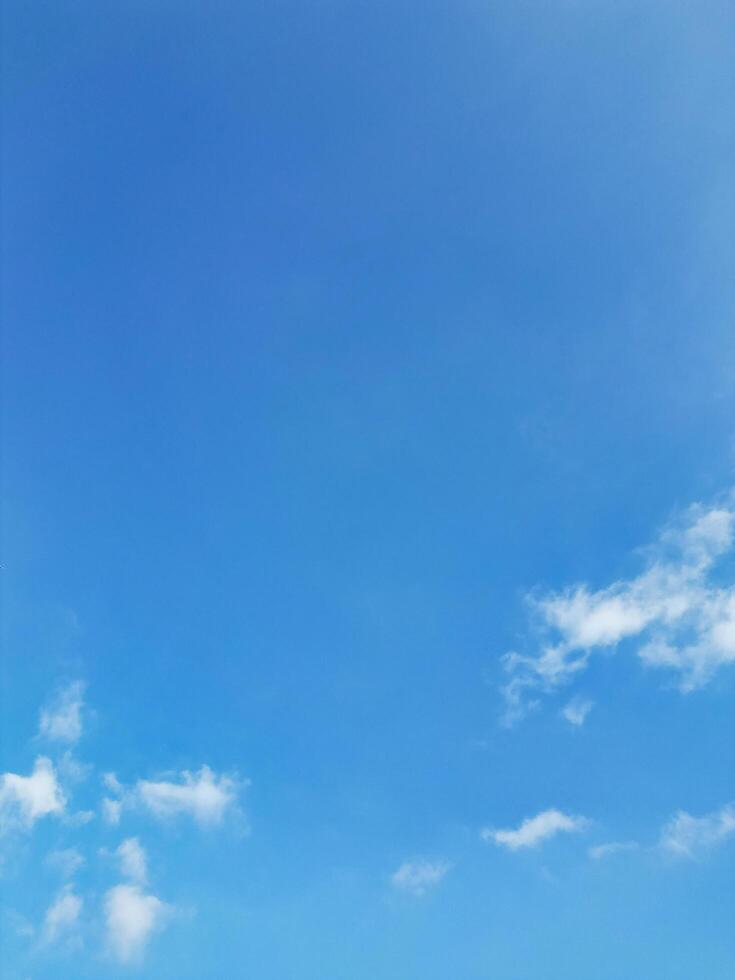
[{"x": 342, "y": 340}]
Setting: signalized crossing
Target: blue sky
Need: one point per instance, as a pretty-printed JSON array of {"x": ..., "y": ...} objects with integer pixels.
[{"x": 367, "y": 460}]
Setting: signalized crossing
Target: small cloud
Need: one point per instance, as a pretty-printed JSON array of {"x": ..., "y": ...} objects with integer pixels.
[
  {"x": 79, "y": 818},
  {"x": 62, "y": 720},
  {"x": 25, "y": 799},
  {"x": 131, "y": 917},
  {"x": 132, "y": 859},
  {"x": 111, "y": 811},
  {"x": 71, "y": 769},
  {"x": 576, "y": 711},
  {"x": 688, "y": 836},
  {"x": 112, "y": 808},
  {"x": 417, "y": 877},
  {"x": 112, "y": 783},
  {"x": 62, "y": 915},
  {"x": 205, "y": 796},
  {"x": 18, "y": 924},
  {"x": 600, "y": 851},
  {"x": 65, "y": 862},
  {"x": 536, "y": 829}
]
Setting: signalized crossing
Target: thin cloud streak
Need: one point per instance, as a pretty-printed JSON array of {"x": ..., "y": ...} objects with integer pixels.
[{"x": 534, "y": 830}]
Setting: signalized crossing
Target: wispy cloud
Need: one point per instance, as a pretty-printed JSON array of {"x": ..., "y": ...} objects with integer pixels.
[
  {"x": 576, "y": 711},
  {"x": 600, "y": 851},
  {"x": 536, "y": 829},
  {"x": 111, "y": 811},
  {"x": 131, "y": 917},
  {"x": 692, "y": 837},
  {"x": 62, "y": 915},
  {"x": 132, "y": 858},
  {"x": 62, "y": 719},
  {"x": 25, "y": 799},
  {"x": 418, "y": 877},
  {"x": 112, "y": 806},
  {"x": 204, "y": 796},
  {"x": 112, "y": 783},
  {"x": 71, "y": 769},
  {"x": 65, "y": 862},
  {"x": 684, "y": 621}
]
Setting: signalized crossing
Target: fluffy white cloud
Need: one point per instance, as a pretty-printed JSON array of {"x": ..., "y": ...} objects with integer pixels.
[
  {"x": 62, "y": 915},
  {"x": 131, "y": 917},
  {"x": 685, "y": 622},
  {"x": 204, "y": 795},
  {"x": 417, "y": 877},
  {"x": 536, "y": 829},
  {"x": 576, "y": 711},
  {"x": 688, "y": 836},
  {"x": 66, "y": 862},
  {"x": 62, "y": 720},
  {"x": 132, "y": 860},
  {"x": 600, "y": 851},
  {"x": 24, "y": 799}
]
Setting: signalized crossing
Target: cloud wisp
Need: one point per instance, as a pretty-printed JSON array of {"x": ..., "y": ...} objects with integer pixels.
[
  {"x": 133, "y": 860},
  {"x": 576, "y": 711},
  {"x": 418, "y": 877},
  {"x": 694, "y": 837},
  {"x": 683, "y": 619},
  {"x": 534, "y": 830},
  {"x": 204, "y": 796},
  {"x": 601, "y": 851},
  {"x": 65, "y": 862},
  {"x": 62, "y": 916},
  {"x": 62, "y": 719}
]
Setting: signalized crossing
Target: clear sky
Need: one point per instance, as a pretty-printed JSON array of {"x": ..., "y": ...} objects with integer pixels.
[{"x": 367, "y": 459}]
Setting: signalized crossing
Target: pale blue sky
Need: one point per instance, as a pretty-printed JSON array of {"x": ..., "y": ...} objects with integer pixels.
[{"x": 348, "y": 349}]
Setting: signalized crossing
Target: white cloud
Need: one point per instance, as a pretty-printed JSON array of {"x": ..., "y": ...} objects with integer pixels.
[
  {"x": 66, "y": 862},
  {"x": 79, "y": 818},
  {"x": 112, "y": 783},
  {"x": 62, "y": 720},
  {"x": 205, "y": 796},
  {"x": 132, "y": 860},
  {"x": 600, "y": 851},
  {"x": 71, "y": 769},
  {"x": 576, "y": 711},
  {"x": 536, "y": 829},
  {"x": 24, "y": 799},
  {"x": 685, "y": 622},
  {"x": 131, "y": 917},
  {"x": 18, "y": 924},
  {"x": 688, "y": 836},
  {"x": 62, "y": 915},
  {"x": 417, "y": 877},
  {"x": 111, "y": 811}
]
